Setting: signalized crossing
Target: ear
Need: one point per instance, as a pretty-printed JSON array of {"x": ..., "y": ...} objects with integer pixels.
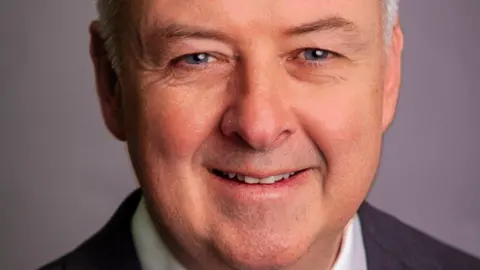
[
  {"x": 393, "y": 76},
  {"x": 108, "y": 87}
]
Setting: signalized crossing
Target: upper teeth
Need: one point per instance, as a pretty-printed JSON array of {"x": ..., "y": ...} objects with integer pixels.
[{"x": 252, "y": 180}]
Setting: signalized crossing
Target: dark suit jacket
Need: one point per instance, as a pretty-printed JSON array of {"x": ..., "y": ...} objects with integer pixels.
[{"x": 389, "y": 245}]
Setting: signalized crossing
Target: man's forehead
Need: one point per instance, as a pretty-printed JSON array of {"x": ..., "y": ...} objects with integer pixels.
[{"x": 254, "y": 13}]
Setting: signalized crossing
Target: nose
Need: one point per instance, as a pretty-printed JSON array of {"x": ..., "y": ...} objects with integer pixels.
[{"x": 258, "y": 115}]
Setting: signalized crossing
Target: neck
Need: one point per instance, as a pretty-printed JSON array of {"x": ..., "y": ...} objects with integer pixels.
[{"x": 323, "y": 254}]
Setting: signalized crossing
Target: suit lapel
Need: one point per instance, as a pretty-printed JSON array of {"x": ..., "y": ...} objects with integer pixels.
[
  {"x": 390, "y": 244},
  {"x": 378, "y": 257},
  {"x": 113, "y": 247}
]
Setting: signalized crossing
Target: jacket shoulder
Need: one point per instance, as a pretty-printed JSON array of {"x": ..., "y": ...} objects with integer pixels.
[
  {"x": 58, "y": 264},
  {"x": 110, "y": 248},
  {"x": 411, "y": 247},
  {"x": 71, "y": 261}
]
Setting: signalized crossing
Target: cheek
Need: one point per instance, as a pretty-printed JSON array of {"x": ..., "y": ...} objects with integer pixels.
[
  {"x": 342, "y": 119},
  {"x": 175, "y": 123},
  {"x": 346, "y": 127},
  {"x": 167, "y": 129}
]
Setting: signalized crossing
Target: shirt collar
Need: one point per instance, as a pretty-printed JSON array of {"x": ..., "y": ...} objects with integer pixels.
[{"x": 154, "y": 255}]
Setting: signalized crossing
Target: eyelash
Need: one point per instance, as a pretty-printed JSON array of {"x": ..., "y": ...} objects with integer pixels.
[
  {"x": 309, "y": 63},
  {"x": 177, "y": 62},
  {"x": 312, "y": 63}
]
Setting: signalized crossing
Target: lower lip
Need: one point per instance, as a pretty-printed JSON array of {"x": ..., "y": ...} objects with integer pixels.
[{"x": 276, "y": 190}]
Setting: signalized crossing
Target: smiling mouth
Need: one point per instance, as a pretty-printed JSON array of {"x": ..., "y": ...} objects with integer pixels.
[{"x": 254, "y": 180}]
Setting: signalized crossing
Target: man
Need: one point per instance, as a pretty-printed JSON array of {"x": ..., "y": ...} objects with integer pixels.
[{"x": 255, "y": 129}]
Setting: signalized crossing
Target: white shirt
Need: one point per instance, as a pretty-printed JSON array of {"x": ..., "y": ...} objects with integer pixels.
[{"x": 154, "y": 255}]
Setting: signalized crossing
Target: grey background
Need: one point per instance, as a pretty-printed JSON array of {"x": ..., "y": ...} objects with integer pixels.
[{"x": 62, "y": 175}]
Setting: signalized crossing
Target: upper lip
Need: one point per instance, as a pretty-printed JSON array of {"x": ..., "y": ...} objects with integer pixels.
[{"x": 259, "y": 173}]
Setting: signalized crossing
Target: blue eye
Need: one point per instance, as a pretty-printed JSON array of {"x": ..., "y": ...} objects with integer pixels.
[
  {"x": 196, "y": 58},
  {"x": 315, "y": 54}
]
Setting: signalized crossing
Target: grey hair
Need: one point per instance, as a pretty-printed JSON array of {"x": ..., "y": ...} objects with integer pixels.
[
  {"x": 108, "y": 12},
  {"x": 109, "y": 9},
  {"x": 390, "y": 17}
]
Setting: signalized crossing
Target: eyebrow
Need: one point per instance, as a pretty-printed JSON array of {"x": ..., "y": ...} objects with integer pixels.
[
  {"x": 323, "y": 24},
  {"x": 181, "y": 31}
]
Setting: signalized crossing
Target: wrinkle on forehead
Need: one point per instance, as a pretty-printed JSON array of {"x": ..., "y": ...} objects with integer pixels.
[
  {"x": 245, "y": 19},
  {"x": 137, "y": 15},
  {"x": 276, "y": 13}
]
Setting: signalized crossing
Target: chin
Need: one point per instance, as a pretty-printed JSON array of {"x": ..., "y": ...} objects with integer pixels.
[
  {"x": 267, "y": 258},
  {"x": 262, "y": 257},
  {"x": 262, "y": 249}
]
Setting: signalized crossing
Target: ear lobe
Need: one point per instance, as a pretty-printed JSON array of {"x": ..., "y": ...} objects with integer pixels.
[
  {"x": 393, "y": 76},
  {"x": 107, "y": 84}
]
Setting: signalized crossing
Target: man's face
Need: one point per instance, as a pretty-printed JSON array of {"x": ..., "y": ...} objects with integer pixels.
[{"x": 216, "y": 93}]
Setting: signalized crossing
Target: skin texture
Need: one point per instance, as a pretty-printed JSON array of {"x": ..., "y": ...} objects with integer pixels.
[{"x": 258, "y": 106}]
